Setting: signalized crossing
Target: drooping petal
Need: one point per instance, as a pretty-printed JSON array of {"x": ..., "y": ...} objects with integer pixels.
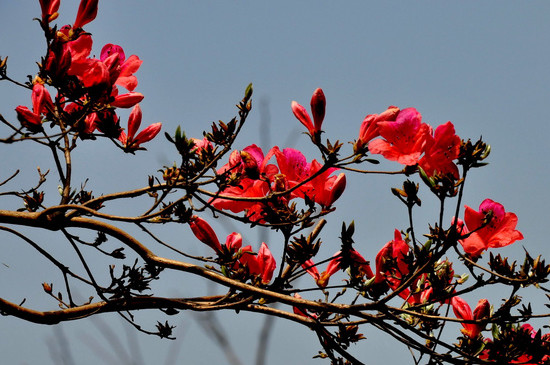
[{"x": 302, "y": 115}]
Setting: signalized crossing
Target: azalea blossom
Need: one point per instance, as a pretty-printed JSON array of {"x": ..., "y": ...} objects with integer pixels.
[
  {"x": 390, "y": 263},
  {"x": 130, "y": 141},
  {"x": 463, "y": 311},
  {"x": 41, "y": 100},
  {"x": 500, "y": 231},
  {"x": 318, "y": 105},
  {"x": 369, "y": 128},
  {"x": 261, "y": 265},
  {"x": 404, "y": 138},
  {"x": 335, "y": 265},
  {"x": 440, "y": 151},
  {"x": 122, "y": 70}
]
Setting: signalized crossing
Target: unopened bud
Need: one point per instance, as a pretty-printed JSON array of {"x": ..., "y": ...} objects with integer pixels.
[{"x": 47, "y": 287}]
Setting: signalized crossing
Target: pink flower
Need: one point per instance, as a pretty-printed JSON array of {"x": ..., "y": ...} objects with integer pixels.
[
  {"x": 500, "y": 231},
  {"x": 404, "y": 138},
  {"x": 122, "y": 70},
  {"x": 294, "y": 169},
  {"x": 201, "y": 145},
  {"x": 440, "y": 151},
  {"x": 318, "y": 104},
  {"x": 131, "y": 142},
  {"x": 463, "y": 311},
  {"x": 87, "y": 11}
]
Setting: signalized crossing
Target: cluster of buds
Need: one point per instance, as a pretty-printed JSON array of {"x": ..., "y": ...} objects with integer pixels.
[{"x": 87, "y": 88}]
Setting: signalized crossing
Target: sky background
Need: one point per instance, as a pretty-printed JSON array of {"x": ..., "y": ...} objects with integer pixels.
[{"x": 481, "y": 65}]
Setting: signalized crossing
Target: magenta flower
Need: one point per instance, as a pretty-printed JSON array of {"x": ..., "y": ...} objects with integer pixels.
[
  {"x": 500, "y": 231},
  {"x": 122, "y": 70}
]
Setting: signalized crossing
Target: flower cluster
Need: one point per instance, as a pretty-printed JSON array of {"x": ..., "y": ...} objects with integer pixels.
[
  {"x": 87, "y": 88},
  {"x": 250, "y": 174},
  {"x": 260, "y": 265},
  {"x": 408, "y": 141}
]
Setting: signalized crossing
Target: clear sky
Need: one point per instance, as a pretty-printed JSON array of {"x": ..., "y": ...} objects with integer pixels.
[{"x": 482, "y": 65}]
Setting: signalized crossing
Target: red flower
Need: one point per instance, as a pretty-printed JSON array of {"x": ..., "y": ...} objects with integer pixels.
[
  {"x": 28, "y": 119},
  {"x": 294, "y": 169},
  {"x": 204, "y": 232},
  {"x": 298, "y": 311},
  {"x": 404, "y": 138},
  {"x": 41, "y": 100},
  {"x": 318, "y": 104},
  {"x": 440, "y": 151},
  {"x": 335, "y": 265},
  {"x": 325, "y": 190},
  {"x": 87, "y": 11},
  {"x": 49, "y": 9},
  {"x": 369, "y": 127},
  {"x": 390, "y": 263},
  {"x": 500, "y": 231},
  {"x": 127, "y": 100},
  {"x": 463, "y": 311},
  {"x": 261, "y": 265},
  {"x": 247, "y": 188},
  {"x": 132, "y": 143}
]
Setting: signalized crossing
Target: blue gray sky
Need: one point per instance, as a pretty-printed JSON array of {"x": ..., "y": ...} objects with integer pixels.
[{"x": 481, "y": 65}]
